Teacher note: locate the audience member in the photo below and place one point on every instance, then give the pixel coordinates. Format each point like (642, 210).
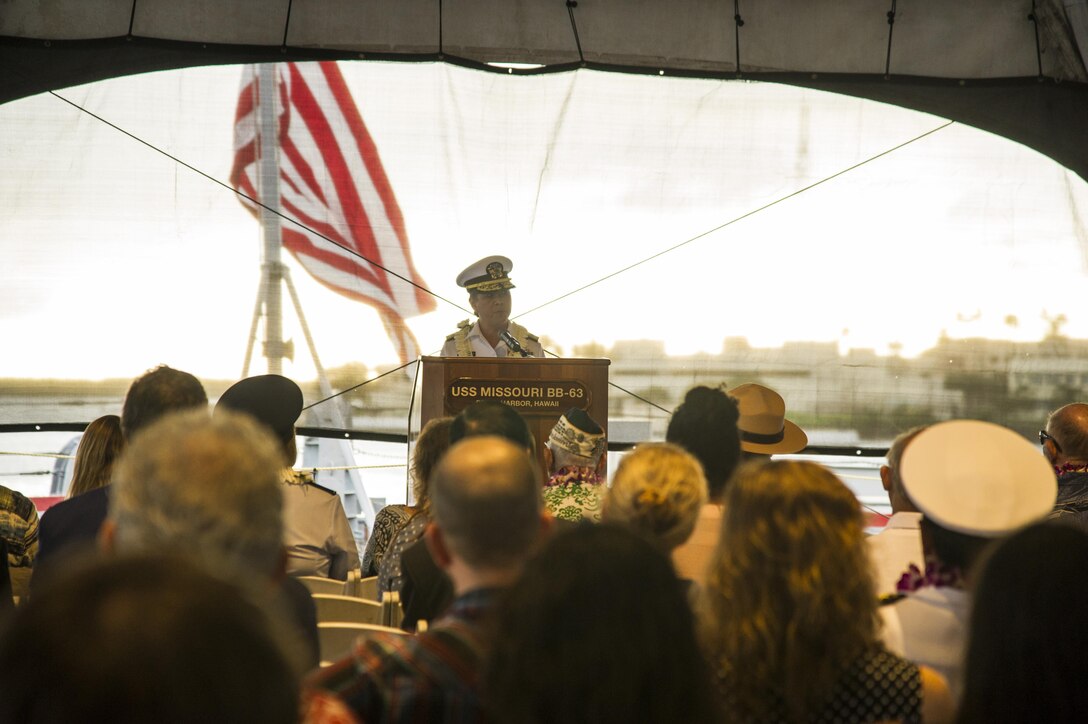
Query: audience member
(705, 424)
(316, 532)
(74, 523)
(19, 532)
(209, 488)
(764, 429)
(575, 458)
(142, 639)
(790, 615)
(485, 417)
(1065, 445)
(99, 447)
(658, 491)
(425, 590)
(486, 504)
(598, 630)
(431, 445)
(899, 544)
(1026, 649)
(974, 482)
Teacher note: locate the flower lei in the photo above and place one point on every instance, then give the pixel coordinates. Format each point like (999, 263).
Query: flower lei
(574, 475)
(936, 574)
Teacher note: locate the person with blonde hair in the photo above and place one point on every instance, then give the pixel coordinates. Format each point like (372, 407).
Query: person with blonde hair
(658, 490)
(99, 446)
(789, 610)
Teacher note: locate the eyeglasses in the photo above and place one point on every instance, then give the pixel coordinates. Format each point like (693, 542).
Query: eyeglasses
(1044, 436)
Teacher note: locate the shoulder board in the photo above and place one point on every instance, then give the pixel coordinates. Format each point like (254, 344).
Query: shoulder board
(464, 324)
(891, 598)
(532, 337)
(450, 336)
(321, 487)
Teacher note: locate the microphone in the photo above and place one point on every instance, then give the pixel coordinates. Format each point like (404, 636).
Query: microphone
(513, 343)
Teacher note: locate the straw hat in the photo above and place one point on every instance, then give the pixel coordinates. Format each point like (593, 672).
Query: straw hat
(977, 478)
(763, 426)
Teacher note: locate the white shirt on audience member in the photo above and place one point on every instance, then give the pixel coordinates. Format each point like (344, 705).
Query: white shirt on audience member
(929, 627)
(894, 548)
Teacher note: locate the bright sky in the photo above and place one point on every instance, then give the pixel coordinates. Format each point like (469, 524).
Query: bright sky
(117, 259)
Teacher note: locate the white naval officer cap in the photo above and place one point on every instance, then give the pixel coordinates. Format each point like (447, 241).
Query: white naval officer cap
(977, 478)
(489, 274)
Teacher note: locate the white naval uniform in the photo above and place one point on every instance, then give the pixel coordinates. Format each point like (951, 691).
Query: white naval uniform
(483, 348)
(929, 627)
(893, 549)
(316, 532)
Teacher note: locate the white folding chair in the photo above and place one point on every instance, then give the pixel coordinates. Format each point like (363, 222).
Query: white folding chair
(335, 638)
(351, 585)
(368, 588)
(320, 584)
(392, 613)
(347, 609)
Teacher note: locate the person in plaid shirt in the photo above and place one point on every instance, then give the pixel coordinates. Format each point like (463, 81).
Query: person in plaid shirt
(19, 529)
(487, 514)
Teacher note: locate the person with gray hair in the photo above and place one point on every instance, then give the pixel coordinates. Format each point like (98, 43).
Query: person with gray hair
(208, 488)
(899, 544)
(487, 516)
(206, 485)
(1065, 445)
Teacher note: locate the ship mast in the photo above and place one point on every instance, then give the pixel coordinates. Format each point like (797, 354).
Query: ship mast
(334, 455)
(272, 272)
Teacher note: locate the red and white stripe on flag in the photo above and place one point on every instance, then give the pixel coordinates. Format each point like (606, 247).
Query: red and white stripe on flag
(332, 182)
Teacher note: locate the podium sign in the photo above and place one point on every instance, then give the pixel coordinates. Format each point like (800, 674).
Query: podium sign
(538, 395)
(539, 389)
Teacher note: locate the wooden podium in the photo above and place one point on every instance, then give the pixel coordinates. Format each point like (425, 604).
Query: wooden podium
(540, 389)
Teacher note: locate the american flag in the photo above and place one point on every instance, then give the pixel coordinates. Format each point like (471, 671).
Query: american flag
(332, 182)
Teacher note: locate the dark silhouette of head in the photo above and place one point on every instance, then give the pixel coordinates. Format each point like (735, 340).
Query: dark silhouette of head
(274, 401)
(1028, 637)
(705, 424)
(598, 629)
(142, 639)
(488, 417)
(156, 393)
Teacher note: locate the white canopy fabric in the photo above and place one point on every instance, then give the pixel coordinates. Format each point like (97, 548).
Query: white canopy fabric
(1013, 67)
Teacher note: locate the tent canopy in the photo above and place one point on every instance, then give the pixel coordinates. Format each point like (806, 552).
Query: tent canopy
(1012, 67)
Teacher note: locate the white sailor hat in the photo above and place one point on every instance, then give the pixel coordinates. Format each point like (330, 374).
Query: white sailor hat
(489, 274)
(977, 478)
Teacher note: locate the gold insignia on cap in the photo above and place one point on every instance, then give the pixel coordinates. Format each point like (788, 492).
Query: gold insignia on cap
(495, 270)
